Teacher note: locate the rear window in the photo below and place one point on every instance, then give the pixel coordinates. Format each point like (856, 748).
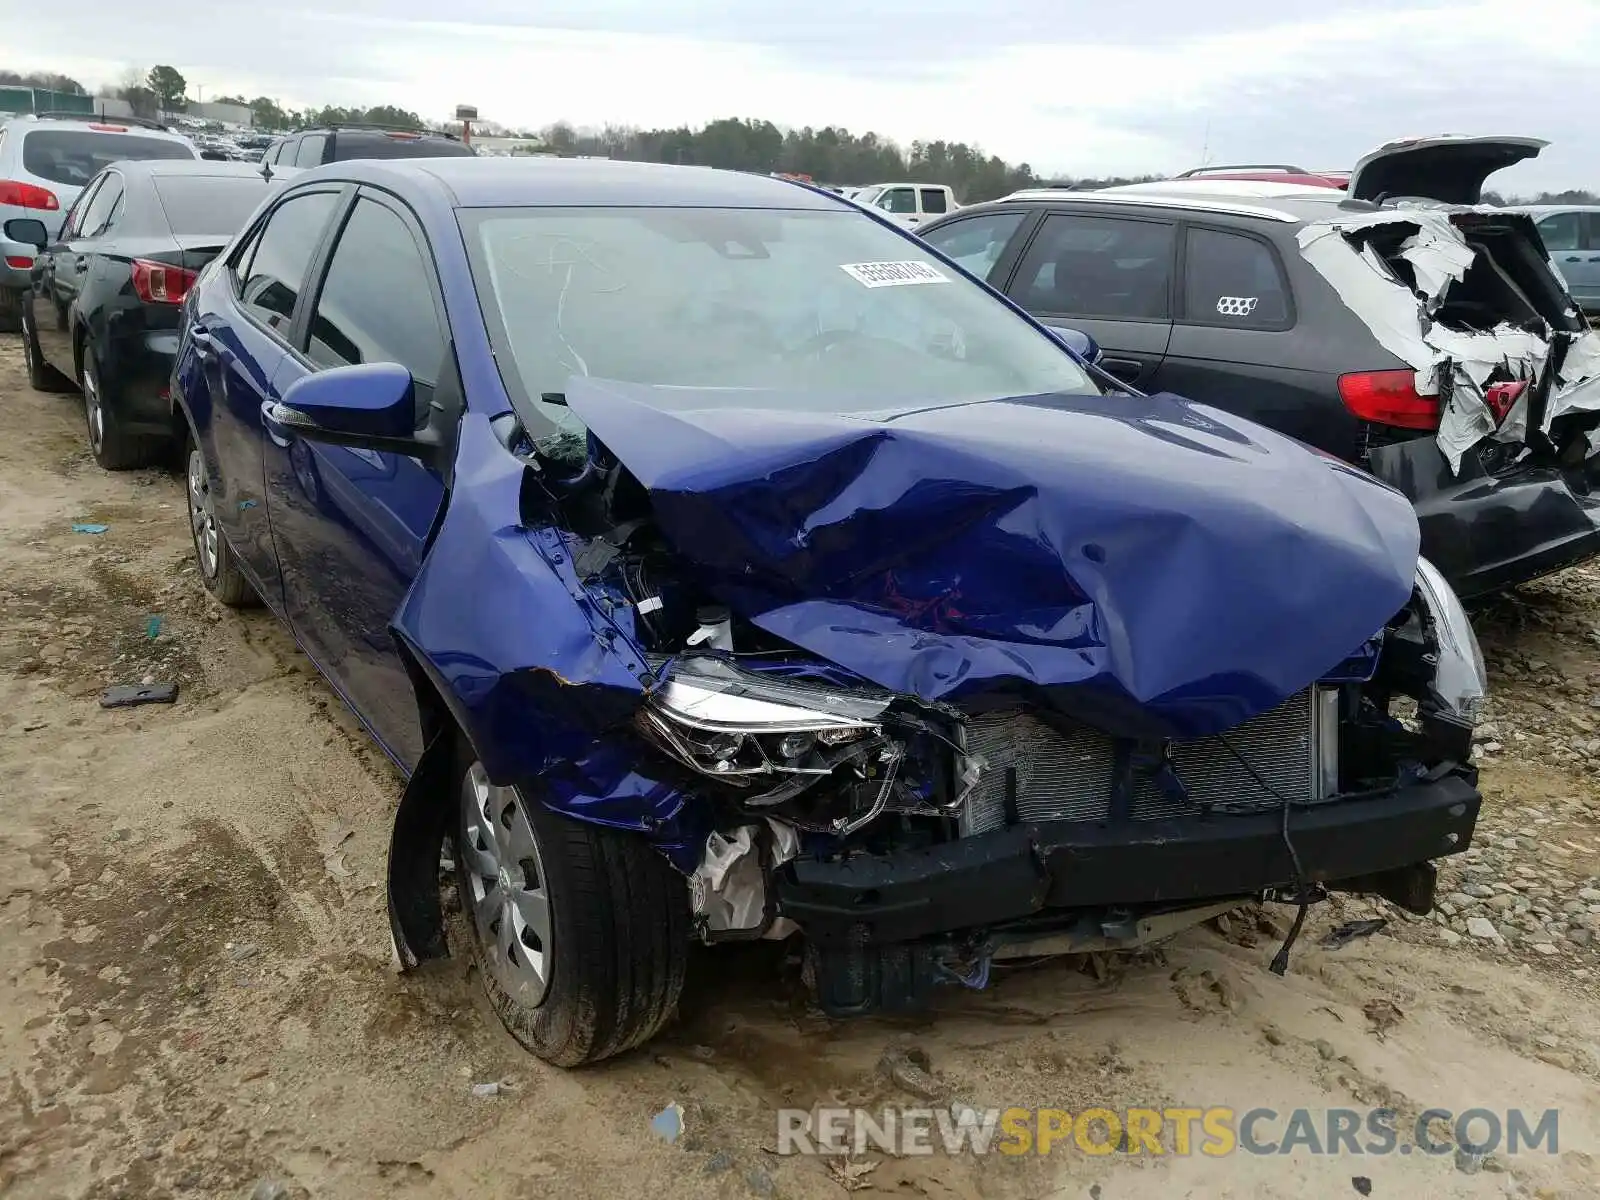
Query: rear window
(380, 145)
(199, 204)
(75, 156)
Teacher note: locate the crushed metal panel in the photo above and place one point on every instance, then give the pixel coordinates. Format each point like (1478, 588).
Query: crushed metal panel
(1453, 362)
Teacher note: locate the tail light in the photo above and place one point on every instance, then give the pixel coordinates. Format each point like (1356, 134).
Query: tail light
(1389, 398)
(18, 262)
(160, 283)
(26, 195)
(109, 128)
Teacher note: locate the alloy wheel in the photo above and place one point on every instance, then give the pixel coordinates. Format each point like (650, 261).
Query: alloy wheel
(506, 891)
(93, 413)
(202, 519)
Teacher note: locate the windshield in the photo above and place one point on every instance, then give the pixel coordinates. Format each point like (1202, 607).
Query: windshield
(826, 309)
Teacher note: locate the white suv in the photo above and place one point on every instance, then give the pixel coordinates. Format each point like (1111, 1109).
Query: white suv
(45, 161)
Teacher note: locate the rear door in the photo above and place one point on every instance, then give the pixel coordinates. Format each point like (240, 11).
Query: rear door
(239, 338)
(1234, 336)
(1109, 275)
(350, 525)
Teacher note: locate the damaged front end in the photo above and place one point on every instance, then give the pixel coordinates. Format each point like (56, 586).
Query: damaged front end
(937, 687)
(1505, 371)
(914, 844)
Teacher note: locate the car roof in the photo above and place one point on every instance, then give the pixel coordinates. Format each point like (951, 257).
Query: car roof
(1287, 203)
(580, 182)
(27, 122)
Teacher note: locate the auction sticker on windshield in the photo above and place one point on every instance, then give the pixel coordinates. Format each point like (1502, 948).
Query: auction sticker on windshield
(892, 274)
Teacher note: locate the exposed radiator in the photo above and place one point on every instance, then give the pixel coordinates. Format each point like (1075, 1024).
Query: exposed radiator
(1068, 776)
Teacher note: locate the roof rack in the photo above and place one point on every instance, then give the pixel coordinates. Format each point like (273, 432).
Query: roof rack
(56, 114)
(377, 126)
(1197, 171)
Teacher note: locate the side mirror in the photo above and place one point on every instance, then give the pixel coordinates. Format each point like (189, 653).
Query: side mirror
(29, 231)
(371, 405)
(1079, 342)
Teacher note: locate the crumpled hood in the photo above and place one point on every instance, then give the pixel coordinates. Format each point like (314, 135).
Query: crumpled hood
(1153, 567)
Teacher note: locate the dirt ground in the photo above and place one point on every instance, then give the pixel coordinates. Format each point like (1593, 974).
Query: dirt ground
(196, 997)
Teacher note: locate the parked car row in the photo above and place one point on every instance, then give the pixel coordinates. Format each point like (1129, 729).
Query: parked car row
(719, 560)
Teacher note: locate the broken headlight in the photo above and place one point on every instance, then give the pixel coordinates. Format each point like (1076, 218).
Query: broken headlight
(770, 735)
(1460, 681)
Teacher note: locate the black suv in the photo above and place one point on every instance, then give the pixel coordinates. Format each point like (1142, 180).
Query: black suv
(338, 143)
(1401, 327)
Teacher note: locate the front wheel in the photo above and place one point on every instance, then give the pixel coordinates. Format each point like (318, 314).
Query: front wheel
(581, 933)
(41, 375)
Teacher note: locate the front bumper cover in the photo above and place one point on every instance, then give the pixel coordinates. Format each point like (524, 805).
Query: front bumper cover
(1025, 871)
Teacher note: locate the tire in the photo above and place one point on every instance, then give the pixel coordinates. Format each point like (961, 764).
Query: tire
(611, 971)
(213, 557)
(41, 375)
(114, 448)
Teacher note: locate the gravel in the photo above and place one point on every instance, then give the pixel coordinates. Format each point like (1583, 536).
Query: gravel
(1529, 886)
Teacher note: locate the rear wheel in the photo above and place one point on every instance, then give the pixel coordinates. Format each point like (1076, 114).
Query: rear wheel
(581, 933)
(114, 447)
(212, 554)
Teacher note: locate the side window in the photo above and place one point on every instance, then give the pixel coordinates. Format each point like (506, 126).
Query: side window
(106, 204)
(934, 201)
(310, 152)
(1561, 231)
(80, 206)
(899, 200)
(976, 242)
(282, 253)
(376, 302)
(1091, 266)
(1234, 280)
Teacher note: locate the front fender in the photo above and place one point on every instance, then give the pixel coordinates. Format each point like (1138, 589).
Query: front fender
(541, 677)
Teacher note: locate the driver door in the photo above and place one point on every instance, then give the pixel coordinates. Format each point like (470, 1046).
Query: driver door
(351, 525)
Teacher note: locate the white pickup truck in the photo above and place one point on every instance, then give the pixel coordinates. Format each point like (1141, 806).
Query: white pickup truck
(906, 203)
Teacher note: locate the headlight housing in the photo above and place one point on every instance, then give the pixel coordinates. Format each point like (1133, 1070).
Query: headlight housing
(1460, 680)
(770, 736)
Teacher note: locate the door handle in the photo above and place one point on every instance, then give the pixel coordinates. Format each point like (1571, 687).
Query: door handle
(279, 435)
(205, 347)
(1126, 369)
(1573, 258)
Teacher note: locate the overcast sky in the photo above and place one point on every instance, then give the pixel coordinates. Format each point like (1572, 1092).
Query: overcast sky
(1072, 86)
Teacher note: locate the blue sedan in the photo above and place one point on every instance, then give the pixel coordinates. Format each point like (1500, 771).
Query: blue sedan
(720, 562)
